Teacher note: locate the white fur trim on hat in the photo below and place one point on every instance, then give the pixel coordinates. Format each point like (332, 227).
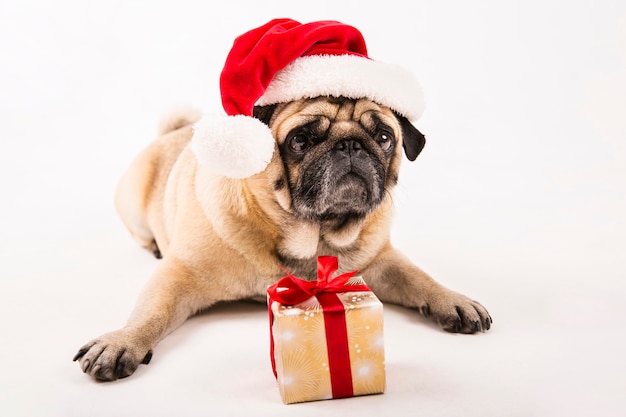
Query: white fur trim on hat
(232, 146)
(347, 76)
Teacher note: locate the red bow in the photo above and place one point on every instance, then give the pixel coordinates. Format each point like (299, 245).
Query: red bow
(291, 290)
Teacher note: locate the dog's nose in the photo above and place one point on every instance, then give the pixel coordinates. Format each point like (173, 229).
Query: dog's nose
(348, 146)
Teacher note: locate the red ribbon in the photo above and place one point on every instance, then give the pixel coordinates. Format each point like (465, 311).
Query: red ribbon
(291, 290)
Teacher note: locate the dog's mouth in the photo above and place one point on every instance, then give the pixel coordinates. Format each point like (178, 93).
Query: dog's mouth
(339, 193)
(350, 193)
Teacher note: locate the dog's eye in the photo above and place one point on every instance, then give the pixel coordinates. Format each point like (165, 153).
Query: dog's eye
(385, 140)
(299, 142)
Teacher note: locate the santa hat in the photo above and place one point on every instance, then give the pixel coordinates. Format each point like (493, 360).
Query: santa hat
(285, 60)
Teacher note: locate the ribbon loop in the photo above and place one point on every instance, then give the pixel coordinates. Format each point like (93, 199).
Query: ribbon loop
(326, 266)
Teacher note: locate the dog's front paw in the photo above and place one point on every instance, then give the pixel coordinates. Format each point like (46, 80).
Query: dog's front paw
(111, 356)
(456, 313)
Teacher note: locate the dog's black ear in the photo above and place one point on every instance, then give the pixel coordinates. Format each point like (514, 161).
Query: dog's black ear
(413, 140)
(264, 113)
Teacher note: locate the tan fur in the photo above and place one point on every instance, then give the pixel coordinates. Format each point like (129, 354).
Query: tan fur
(220, 239)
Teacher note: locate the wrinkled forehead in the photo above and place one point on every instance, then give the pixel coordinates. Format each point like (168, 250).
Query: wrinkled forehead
(321, 112)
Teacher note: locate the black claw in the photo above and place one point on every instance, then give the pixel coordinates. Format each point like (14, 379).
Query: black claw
(459, 324)
(146, 360)
(97, 370)
(425, 310)
(156, 251)
(453, 326)
(80, 353)
(478, 326)
(86, 365)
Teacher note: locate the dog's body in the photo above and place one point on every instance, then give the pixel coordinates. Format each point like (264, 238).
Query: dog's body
(325, 192)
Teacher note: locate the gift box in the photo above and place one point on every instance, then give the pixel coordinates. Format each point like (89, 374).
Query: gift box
(326, 336)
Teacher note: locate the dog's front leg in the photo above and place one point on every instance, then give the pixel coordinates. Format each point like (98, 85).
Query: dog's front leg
(395, 279)
(172, 295)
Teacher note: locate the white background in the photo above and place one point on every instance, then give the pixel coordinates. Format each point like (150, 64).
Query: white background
(518, 200)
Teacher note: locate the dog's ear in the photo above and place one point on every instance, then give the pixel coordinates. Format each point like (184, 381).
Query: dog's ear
(413, 140)
(264, 113)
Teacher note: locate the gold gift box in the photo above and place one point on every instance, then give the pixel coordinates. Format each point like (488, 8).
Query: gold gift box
(301, 347)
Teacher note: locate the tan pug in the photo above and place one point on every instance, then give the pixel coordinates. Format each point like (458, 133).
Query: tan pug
(325, 192)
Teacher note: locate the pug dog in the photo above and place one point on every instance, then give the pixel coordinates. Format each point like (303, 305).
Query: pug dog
(327, 190)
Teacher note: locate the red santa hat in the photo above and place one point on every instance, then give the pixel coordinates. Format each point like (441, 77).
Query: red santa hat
(285, 60)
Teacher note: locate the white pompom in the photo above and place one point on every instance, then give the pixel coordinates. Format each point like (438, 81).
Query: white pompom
(232, 146)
